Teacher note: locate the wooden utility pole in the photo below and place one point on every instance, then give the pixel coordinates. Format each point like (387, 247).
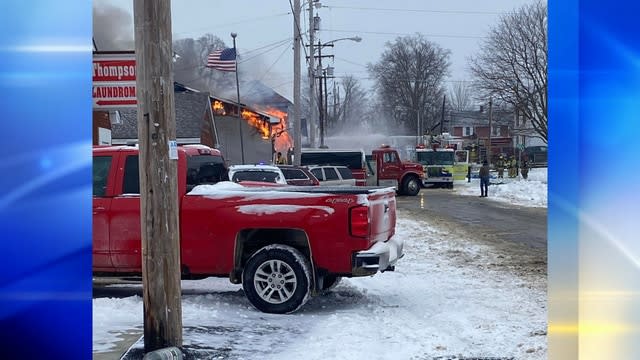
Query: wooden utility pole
(444, 100)
(297, 128)
(158, 175)
(320, 95)
(312, 79)
(490, 130)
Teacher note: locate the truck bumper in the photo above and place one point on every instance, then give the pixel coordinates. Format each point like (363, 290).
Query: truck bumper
(382, 256)
(437, 180)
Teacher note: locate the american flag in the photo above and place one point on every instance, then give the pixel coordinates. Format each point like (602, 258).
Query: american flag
(223, 60)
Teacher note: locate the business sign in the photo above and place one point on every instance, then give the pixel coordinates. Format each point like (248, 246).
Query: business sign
(114, 80)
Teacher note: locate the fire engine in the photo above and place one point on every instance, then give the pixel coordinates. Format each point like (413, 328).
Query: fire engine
(442, 165)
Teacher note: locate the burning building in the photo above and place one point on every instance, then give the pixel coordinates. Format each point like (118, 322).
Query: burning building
(253, 127)
(267, 101)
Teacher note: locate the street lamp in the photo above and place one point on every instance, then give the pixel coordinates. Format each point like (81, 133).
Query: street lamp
(320, 78)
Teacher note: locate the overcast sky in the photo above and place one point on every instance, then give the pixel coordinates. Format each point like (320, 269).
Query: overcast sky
(457, 25)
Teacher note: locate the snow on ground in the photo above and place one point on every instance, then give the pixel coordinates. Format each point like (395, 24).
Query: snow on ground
(518, 191)
(438, 302)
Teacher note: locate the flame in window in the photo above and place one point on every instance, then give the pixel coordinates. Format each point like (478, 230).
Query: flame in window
(218, 108)
(258, 123)
(283, 140)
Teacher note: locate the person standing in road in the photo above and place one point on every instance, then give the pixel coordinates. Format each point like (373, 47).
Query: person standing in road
(484, 179)
(525, 169)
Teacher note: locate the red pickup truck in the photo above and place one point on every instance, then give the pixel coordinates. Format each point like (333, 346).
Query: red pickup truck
(283, 243)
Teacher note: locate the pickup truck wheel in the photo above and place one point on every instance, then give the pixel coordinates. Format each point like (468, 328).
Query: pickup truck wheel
(276, 279)
(411, 186)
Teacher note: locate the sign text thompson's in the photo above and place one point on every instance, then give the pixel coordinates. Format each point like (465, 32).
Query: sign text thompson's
(114, 80)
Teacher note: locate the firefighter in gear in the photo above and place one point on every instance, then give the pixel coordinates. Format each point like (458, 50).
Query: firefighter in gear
(500, 166)
(513, 167)
(524, 170)
(280, 160)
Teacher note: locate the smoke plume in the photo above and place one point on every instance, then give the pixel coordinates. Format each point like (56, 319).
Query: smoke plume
(112, 28)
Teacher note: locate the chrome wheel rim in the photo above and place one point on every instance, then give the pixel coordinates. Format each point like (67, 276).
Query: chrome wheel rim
(412, 186)
(275, 281)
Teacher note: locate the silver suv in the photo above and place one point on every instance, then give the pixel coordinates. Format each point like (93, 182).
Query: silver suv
(330, 175)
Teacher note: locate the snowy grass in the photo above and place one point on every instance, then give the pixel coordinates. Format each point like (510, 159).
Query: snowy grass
(531, 192)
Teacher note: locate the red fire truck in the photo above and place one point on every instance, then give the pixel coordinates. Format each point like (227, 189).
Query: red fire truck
(382, 168)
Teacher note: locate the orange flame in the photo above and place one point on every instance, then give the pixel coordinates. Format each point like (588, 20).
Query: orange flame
(218, 108)
(283, 140)
(254, 120)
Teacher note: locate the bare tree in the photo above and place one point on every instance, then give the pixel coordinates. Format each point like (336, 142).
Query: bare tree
(460, 96)
(352, 106)
(512, 65)
(409, 80)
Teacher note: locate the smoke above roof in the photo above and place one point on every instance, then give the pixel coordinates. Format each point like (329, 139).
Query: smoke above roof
(112, 28)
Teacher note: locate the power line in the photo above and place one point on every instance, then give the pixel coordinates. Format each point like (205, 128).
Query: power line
(269, 69)
(345, 75)
(456, 12)
(405, 34)
(266, 51)
(235, 22)
(268, 45)
(349, 61)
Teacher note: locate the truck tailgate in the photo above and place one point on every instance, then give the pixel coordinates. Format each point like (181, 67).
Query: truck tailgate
(382, 213)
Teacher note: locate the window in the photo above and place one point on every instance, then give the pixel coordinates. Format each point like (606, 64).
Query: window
(495, 131)
(436, 157)
(204, 169)
(331, 174)
(345, 173)
(131, 183)
(390, 157)
(318, 174)
(462, 156)
(101, 166)
(263, 176)
(294, 174)
(468, 131)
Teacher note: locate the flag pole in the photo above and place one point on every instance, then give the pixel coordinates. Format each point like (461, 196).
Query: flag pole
(233, 35)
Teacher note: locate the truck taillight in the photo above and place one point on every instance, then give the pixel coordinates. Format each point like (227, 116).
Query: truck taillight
(359, 221)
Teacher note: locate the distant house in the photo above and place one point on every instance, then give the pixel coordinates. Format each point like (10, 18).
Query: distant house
(473, 128)
(525, 135)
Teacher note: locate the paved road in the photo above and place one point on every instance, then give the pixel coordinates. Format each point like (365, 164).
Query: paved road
(516, 224)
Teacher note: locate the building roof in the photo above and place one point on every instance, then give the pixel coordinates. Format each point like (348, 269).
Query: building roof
(259, 94)
(191, 108)
(476, 118)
